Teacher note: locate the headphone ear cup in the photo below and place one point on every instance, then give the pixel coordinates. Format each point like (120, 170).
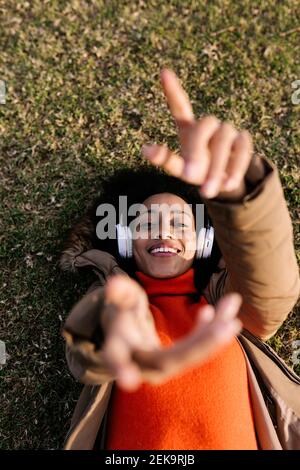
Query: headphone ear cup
(129, 242)
(205, 242)
(208, 242)
(121, 238)
(200, 243)
(124, 237)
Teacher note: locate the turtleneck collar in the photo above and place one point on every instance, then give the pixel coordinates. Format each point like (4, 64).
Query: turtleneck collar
(179, 285)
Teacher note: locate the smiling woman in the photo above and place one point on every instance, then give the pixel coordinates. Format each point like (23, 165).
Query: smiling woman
(154, 189)
(166, 277)
(163, 332)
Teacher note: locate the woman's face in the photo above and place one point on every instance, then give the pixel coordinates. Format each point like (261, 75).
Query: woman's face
(166, 242)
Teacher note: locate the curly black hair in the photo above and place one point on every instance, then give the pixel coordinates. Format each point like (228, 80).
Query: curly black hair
(138, 184)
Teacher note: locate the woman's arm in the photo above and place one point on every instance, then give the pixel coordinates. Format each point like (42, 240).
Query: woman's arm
(255, 236)
(84, 338)
(251, 219)
(131, 351)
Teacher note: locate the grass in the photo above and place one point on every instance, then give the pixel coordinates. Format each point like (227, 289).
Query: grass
(83, 95)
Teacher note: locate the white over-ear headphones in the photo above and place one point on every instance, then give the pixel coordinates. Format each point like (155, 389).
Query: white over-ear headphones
(124, 237)
(204, 242)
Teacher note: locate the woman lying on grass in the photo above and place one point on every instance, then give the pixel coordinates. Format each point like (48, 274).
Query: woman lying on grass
(155, 338)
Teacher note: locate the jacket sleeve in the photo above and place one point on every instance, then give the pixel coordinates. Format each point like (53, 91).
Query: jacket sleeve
(256, 240)
(84, 338)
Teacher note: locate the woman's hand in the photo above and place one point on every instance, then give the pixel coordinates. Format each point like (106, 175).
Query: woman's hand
(132, 349)
(214, 155)
(128, 326)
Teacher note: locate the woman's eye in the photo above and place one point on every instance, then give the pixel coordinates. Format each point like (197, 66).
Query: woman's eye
(147, 225)
(153, 225)
(180, 224)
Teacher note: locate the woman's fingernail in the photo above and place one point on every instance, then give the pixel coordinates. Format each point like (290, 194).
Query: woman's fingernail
(188, 170)
(128, 378)
(224, 331)
(231, 183)
(191, 170)
(148, 150)
(205, 315)
(209, 189)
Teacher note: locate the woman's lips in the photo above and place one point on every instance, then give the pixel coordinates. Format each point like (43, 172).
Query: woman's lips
(163, 253)
(164, 249)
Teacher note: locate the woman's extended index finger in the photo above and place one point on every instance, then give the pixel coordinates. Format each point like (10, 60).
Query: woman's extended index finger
(177, 99)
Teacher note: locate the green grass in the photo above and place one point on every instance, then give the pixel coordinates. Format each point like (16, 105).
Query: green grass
(83, 95)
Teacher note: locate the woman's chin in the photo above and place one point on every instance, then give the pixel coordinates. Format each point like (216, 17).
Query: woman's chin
(162, 267)
(163, 271)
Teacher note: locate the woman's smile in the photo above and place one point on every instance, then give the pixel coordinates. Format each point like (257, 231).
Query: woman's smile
(164, 250)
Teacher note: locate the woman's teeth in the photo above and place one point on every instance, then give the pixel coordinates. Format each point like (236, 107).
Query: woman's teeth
(163, 250)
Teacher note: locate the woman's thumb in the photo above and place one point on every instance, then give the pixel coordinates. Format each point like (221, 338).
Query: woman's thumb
(205, 315)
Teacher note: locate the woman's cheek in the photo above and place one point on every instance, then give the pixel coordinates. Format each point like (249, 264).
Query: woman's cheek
(137, 250)
(190, 245)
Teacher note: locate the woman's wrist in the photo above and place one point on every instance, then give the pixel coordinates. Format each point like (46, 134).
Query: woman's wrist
(236, 195)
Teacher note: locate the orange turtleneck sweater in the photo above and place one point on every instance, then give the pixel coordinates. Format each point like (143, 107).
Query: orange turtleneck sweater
(206, 407)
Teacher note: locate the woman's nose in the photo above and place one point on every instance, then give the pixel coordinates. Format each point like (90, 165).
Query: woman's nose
(163, 235)
(164, 231)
